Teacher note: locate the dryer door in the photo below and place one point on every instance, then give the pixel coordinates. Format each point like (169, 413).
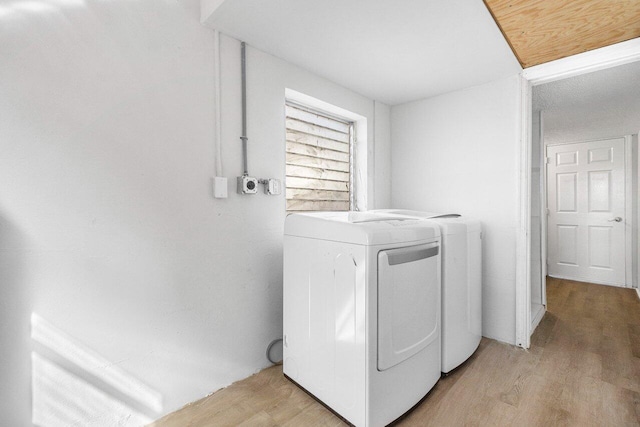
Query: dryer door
(408, 302)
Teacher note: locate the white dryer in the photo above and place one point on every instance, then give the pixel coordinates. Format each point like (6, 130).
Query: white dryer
(461, 284)
(362, 311)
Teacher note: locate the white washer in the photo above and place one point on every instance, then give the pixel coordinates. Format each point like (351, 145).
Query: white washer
(461, 284)
(362, 311)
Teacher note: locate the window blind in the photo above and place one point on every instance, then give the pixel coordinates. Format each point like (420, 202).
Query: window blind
(318, 161)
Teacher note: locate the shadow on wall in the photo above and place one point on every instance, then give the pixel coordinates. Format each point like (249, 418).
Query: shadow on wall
(73, 385)
(46, 377)
(15, 300)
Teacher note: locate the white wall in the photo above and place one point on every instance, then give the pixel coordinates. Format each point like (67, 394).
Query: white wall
(108, 228)
(459, 153)
(382, 156)
(597, 105)
(536, 203)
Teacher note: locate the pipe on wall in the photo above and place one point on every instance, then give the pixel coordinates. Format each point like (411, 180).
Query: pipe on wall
(217, 104)
(244, 109)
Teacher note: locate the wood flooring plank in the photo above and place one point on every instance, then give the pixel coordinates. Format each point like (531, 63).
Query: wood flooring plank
(543, 332)
(621, 407)
(587, 364)
(316, 415)
(584, 399)
(261, 419)
(492, 413)
(543, 406)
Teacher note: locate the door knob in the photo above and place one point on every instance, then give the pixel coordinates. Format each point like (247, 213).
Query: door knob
(616, 219)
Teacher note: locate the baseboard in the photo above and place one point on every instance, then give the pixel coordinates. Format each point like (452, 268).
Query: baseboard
(638, 292)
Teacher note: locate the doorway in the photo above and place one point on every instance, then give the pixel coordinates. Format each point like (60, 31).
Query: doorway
(581, 238)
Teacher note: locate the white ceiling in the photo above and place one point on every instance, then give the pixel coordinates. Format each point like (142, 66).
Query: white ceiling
(601, 104)
(394, 51)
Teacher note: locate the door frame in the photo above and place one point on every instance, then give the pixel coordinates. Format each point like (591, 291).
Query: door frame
(628, 202)
(543, 214)
(598, 59)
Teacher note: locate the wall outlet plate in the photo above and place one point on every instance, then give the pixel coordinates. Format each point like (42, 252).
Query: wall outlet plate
(220, 187)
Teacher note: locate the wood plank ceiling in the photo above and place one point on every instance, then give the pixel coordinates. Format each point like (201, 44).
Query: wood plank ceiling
(540, 31)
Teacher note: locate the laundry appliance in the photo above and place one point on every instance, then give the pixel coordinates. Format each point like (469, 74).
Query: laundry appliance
(461, 283)
(362, 311)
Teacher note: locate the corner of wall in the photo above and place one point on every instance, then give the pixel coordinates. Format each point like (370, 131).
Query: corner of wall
(382, 156)
(208, 9)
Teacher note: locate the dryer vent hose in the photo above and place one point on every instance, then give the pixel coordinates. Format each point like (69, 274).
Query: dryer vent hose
(271, 351)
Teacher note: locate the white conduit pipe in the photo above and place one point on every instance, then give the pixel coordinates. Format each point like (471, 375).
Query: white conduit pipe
(243, 56)
(217, 103)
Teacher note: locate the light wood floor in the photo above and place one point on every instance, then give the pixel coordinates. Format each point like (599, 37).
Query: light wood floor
(583, 369)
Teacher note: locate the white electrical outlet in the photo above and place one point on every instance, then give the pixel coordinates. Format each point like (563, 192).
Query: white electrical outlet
(220, 187)
(247, 185)
(273, 187)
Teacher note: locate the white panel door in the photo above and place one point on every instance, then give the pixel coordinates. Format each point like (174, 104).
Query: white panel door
(586, 224)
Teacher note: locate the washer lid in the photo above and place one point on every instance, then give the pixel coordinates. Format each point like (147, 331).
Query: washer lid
(362, 228)
(450, 223)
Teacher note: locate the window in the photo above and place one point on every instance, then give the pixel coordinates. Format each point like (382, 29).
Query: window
(318, 161)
